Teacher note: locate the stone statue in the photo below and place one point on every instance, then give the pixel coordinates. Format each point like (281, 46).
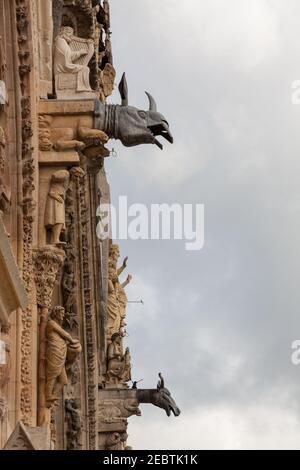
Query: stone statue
(69, 294)
(123, 300)
(61, 347)
(127, 367)
(117, 299)
(113, 309)
(116, 441)
(71, 75)
(130, 125)
(55, 217)
(74, 424)
(118, 367)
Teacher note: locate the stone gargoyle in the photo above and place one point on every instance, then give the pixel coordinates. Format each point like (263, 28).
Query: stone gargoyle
(160, 397)
(131, 125)
(94, 123)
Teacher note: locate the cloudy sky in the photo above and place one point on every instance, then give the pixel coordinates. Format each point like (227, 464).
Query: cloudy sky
(218, 323)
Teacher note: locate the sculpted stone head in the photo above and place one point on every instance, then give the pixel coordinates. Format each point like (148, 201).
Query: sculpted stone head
(136, 126)
(58, 314)
(67, 33)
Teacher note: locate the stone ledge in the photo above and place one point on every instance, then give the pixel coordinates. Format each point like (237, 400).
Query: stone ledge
(64, 107)
(59, 158)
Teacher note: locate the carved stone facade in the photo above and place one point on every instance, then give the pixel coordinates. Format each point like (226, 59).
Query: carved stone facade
(65, 377)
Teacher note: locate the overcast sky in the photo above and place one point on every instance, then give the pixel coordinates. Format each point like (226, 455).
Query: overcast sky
(218, 323)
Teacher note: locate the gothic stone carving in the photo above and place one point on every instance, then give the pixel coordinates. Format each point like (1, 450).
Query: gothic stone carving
(48, 263)
(131, 125)
(28, 438)
(55, 207)
(118, 410)
(160, 397)
(71, 58)
(118, 364)
(4, 175)
(3, 409)
(45, 142)
(107, 78)
(23, 27)
(54, 135)
(116, 441)
(117, 299)
(61, 349)
(81, 181)
(74, 424)
(2, 150)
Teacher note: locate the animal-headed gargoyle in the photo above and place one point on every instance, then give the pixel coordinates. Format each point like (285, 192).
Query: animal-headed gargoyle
(160, 397)
(92, 130)
(133, 126)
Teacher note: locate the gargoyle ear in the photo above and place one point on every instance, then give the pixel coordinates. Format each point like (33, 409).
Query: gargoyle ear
(123, 89)
(152, 102)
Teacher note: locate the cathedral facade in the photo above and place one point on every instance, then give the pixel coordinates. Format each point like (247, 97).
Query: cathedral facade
(65, 374)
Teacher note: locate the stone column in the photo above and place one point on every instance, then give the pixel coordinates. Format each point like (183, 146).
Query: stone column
(45, 29)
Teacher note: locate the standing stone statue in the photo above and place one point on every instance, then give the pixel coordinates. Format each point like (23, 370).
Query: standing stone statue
(55, 217)
(59, 345)
(117, 299)
(122, 297)
(69, 74)
(113, 309)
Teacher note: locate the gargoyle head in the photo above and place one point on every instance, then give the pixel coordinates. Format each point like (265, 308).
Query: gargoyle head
(136, 127)
(163, 399)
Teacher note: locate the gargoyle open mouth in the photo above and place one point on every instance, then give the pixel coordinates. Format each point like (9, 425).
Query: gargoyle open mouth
(176, 411)
(163, 130)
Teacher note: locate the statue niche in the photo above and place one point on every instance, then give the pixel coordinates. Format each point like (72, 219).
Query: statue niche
(71, 58)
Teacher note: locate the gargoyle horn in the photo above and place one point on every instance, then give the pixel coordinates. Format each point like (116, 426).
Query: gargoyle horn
(152, 102)
(123, 89)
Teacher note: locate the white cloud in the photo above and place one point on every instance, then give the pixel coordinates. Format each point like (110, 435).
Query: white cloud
(240, 32)
(257, 426)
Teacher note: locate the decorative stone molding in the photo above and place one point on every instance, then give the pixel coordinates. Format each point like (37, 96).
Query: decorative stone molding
(88, 309)
(74, 424)
(28, 438)
(48, 262)
(23, 9)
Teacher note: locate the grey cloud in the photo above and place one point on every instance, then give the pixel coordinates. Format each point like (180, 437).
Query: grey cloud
(223, 319)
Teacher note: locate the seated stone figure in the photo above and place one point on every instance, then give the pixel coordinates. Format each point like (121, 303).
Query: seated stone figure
(71, 58)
